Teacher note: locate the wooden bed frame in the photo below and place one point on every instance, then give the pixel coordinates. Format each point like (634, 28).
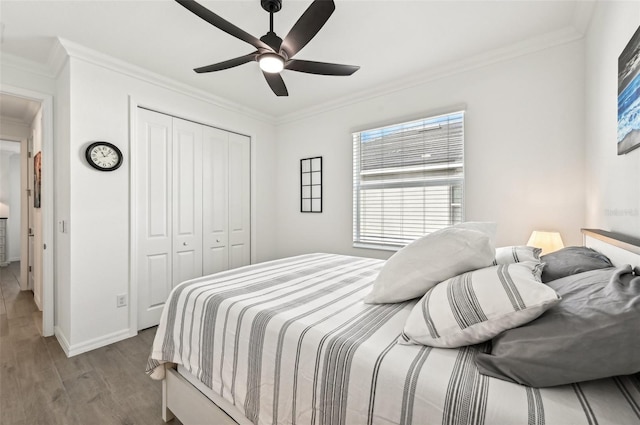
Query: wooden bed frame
(620, 249)
(183, 400)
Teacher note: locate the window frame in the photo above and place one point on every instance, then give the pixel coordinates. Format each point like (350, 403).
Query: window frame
(357, 241)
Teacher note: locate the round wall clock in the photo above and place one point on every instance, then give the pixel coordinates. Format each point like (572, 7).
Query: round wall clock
(103, 156)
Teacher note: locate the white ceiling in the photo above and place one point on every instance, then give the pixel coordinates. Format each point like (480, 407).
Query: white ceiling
(393, 41)
(18, 109)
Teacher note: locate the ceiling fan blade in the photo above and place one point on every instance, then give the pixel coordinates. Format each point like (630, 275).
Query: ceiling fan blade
(276, 83)
(307, 26)
(222, 24)
(320, 68)
(227, 64)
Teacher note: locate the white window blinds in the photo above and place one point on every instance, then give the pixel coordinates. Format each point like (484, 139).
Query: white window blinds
(408, 180)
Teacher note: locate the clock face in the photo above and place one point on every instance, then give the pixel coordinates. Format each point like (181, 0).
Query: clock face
(104, 156)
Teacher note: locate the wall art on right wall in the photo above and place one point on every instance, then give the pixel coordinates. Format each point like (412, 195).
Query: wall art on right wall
(629, 96)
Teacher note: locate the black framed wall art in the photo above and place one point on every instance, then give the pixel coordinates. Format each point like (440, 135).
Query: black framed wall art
(311, 185)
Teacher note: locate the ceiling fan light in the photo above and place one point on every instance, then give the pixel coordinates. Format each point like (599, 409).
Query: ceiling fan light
(271, 62)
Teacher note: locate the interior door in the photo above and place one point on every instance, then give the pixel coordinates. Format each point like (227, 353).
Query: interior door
(239, 200)
(215, 200)
(187, 200)
(154, 151)
(30, 218)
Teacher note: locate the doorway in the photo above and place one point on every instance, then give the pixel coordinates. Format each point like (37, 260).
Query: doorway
(27, 119)
(10, 203)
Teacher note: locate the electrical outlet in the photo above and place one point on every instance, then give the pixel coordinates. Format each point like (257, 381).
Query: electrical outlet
(121, 300)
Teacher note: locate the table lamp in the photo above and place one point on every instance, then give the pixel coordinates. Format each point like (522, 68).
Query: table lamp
(547, 241)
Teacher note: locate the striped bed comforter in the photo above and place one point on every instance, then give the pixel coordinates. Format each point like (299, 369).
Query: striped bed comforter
(291, 342)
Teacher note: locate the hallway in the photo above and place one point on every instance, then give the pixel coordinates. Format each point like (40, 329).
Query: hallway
(15, 303)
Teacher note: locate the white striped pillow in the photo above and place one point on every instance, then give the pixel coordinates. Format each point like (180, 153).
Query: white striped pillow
(476, 306)
(516, 254)
(429, 260)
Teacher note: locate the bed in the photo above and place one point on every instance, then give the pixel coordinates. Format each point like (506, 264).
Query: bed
(291, 342)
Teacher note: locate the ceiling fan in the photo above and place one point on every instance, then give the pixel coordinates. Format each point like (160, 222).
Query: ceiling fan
(273, 53)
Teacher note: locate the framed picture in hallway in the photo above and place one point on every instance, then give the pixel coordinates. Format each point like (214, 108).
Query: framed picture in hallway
(37, 179)
(629, 96)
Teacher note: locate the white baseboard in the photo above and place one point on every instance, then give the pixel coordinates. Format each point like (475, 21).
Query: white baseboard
(92, 344)
(38, 301)
(62, 339)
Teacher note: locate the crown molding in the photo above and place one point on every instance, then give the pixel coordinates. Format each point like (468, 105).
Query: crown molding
(94, 57)
(532, 45)
(58, 57)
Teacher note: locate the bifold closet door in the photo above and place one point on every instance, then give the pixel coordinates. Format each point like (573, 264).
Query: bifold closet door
(215, 200)
(154, 211)
(168, 210)
(192, 211)
(226, 172)
(187, 200)
(239, 200)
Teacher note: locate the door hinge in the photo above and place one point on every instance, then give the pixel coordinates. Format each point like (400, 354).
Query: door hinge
(29, 154)
(30, 231)
(29, 268)
(28, 192)
(44, 246)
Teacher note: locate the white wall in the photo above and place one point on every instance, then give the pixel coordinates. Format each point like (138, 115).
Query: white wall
(523, 145)
(10, 195)
(13, 224)
(5, 176)
(99, 208)
(62, 184)
(612, 181)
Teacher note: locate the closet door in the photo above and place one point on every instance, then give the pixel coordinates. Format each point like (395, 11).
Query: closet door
(239, 200)
(192, 207)
(187, 200)
(215, 199)
(154, 151)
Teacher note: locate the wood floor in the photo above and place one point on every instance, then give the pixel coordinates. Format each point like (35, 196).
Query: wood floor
(40, 385)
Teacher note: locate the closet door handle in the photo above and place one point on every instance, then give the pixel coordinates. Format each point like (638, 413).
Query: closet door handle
(184, 243)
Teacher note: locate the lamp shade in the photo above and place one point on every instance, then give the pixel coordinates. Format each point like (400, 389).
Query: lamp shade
(547, 241)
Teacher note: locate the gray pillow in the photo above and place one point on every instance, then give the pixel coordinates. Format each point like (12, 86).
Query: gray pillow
(572, 260)
(591, 333)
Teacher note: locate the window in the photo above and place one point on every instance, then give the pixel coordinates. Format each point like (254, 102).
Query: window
(408, 180)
